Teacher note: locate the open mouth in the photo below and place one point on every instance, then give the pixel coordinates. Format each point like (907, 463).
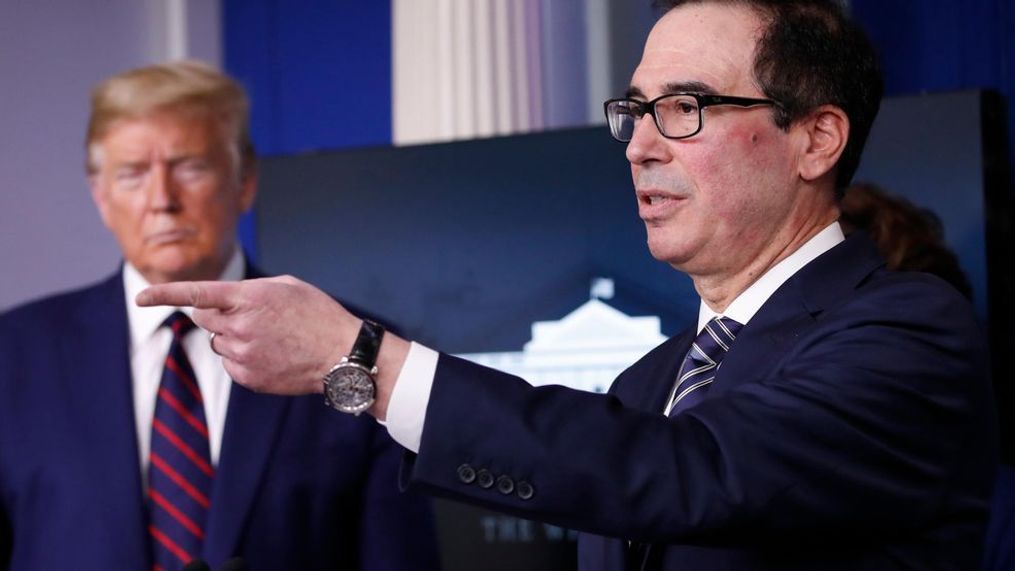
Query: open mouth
(658, 205)
(656, 199)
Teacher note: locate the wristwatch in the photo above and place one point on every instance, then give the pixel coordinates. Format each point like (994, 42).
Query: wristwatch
(350, 386)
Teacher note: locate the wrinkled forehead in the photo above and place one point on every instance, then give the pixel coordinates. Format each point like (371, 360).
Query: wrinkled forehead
(706, 44)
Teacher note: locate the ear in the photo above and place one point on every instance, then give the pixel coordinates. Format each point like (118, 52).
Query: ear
(826, 133)
(248, 188)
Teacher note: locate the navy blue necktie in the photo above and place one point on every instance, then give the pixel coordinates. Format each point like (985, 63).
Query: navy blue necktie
(701, 362)
(180, 472)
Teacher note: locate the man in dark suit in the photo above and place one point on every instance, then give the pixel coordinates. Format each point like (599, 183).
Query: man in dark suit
(104, 462)
(824, 413)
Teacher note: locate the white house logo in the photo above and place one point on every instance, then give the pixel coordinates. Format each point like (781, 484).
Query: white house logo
(585, 350)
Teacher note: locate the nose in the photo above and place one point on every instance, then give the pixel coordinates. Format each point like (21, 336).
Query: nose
(647, 143)
(162, 192)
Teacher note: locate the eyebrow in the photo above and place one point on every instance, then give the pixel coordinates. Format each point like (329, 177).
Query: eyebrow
(675, 87)
(633, 92)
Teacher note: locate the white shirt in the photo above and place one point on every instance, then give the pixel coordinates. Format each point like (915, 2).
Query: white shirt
(149, 344)
(409, 398)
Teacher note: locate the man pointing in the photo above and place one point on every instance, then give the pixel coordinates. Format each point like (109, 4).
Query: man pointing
(823, 413)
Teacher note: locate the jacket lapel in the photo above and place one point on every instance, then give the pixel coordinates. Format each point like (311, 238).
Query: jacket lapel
(667, 367)
(252, 423)
(97, 384)
(794, 308)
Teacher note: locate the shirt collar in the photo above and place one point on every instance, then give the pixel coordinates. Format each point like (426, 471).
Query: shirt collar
(745, 305)
(144, 321)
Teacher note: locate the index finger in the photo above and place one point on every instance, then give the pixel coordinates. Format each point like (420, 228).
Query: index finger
(202, 295)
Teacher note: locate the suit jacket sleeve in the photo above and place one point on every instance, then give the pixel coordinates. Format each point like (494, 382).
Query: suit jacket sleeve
(6, 534)
(869, 418)
(6, 538)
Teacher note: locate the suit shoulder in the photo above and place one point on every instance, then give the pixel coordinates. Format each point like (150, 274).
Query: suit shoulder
(52, 310)
(908, 325)
(910, 296)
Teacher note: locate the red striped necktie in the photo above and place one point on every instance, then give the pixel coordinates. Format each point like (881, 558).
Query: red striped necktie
(180, 472)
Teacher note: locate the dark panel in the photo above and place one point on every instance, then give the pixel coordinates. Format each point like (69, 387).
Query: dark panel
(935, 159)
(466, 244)
(1000, 206)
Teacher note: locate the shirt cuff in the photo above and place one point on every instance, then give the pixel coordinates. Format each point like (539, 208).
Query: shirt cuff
(409, 398)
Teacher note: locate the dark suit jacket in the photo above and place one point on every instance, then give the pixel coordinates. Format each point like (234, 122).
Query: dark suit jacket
(849, 427)
(298, 485)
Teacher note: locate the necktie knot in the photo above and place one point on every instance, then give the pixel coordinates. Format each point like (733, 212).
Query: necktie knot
(701, 362)
(179, 323)
(711, 345)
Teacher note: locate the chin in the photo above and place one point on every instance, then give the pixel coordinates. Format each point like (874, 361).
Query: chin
(673, 255)
(663, 249)
(176, 268)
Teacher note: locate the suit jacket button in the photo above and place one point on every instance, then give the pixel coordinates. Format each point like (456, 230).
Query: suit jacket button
(505, 485)
(484, 478)
(525, 490)
(466, 474)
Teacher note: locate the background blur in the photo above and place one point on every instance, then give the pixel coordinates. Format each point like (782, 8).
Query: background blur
(332, 74)
(344, 93)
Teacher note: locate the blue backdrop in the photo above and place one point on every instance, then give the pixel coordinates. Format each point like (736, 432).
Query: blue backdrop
(319, 71)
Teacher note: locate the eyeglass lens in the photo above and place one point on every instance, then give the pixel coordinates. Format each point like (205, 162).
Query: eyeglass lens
(676, 116)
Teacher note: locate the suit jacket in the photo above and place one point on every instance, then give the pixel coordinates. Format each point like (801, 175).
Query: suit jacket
(298, 485)
(849, 427)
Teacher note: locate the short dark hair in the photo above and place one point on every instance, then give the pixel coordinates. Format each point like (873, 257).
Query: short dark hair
(812, 54)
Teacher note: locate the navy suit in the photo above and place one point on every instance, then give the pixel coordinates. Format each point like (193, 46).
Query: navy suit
(849, 427)
(298, 485)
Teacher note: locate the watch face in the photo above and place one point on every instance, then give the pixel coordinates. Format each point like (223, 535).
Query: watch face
(349, 388)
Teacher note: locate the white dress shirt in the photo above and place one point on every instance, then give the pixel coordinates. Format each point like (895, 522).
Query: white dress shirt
(149, 344)
(409, 398)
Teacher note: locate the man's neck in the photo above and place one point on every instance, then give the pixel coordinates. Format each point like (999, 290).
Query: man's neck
(719, 289)
(144, 320)
(211, 271)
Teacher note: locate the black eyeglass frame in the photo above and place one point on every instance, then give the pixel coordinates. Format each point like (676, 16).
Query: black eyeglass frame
(703, 100)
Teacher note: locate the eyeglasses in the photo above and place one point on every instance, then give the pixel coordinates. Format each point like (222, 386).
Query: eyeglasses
(677, 115)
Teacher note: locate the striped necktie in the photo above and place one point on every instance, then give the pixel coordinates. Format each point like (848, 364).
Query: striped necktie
(703, 359)
(180, 472)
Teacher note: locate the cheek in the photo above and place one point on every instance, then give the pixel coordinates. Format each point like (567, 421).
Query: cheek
(126, 214)
(214, 212)
(764, 149)
(747, 174)
(748, 140)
